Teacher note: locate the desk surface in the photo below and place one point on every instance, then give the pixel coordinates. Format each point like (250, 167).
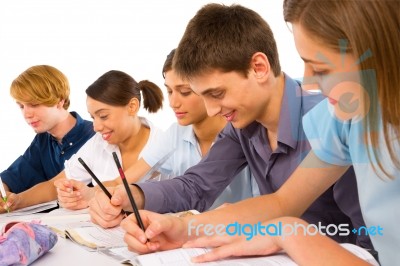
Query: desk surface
(65, 252)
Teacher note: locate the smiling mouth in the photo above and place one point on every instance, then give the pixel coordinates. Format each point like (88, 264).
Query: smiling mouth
(230, 116)
(106, 136)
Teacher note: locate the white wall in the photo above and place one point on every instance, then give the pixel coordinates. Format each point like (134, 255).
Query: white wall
(86, 38)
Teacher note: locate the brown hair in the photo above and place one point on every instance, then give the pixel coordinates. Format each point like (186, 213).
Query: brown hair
(224, 38)
(168, 62)
(371, 28)
(117, 88)
(41, 84)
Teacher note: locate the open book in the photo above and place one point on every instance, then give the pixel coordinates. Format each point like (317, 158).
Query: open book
(94, 237)
(91, 236)
(182, 257)
(32, 209)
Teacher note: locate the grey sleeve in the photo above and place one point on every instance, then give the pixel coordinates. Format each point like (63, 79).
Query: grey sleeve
(202, 183)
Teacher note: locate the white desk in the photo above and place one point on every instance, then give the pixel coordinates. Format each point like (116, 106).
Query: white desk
(65, 252)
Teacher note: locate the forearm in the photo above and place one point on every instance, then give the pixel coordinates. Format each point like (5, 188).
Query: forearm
(289, 200)
(308, 249)
(40, 193)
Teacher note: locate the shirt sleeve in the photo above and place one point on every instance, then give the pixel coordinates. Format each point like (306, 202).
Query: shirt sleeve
(26, 171)
(202, 183)
(328, 136)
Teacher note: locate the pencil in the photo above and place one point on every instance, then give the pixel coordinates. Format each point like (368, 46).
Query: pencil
(95, 177)
(128, 191)
(4, 194)
(97, 180)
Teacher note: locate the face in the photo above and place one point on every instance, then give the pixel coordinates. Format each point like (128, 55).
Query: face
(188, 107)
(231, 95)
(333, 73)
(112, 122)
(40, 117)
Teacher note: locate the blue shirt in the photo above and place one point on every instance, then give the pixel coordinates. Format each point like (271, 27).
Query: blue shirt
(237, 148)
(344, 143)
(45, 157)
(187, 153)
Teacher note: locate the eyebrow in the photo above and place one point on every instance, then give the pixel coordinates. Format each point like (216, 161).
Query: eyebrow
(100, 110)
(210, 90)
(322, 57)
(185, 86)
(311, 61)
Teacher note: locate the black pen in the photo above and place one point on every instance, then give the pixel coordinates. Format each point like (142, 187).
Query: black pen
(128, 191)
(96, 179)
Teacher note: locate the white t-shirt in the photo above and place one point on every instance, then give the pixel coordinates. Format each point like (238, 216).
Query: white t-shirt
(97, 154)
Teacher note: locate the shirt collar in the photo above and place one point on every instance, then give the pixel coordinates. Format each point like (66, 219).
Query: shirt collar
(75, 132)
(188, 135)
(289, 118)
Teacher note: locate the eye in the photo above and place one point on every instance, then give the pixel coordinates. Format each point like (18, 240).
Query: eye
(169, 92)
(217, 94)
(186, 93)
(103, 117)
(319, 73)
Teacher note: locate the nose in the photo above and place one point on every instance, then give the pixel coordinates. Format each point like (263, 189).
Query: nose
(311, 82)
(174, 101)
(27, 112)
(212, 107)
(97, 125)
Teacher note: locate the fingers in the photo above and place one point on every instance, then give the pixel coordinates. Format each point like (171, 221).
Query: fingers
(12, 202)
(67, 197)
(215, 254)
(103, 212)
(155, 236)
(134, 237)
(209, 241)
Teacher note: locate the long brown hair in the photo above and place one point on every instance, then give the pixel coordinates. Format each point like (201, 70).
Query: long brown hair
(371, 28)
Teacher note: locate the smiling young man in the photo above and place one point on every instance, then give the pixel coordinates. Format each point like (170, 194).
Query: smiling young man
(229, 55)
(42, 94)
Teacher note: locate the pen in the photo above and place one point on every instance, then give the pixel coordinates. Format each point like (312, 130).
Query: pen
(3, 194)
(97, 180)
(128, 191)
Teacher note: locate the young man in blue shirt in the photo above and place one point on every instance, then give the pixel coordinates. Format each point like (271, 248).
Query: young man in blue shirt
(42, 94)
(230, 57)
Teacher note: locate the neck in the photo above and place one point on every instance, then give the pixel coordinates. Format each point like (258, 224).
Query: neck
(207, 130)
(137, 138)
(66, 123)
(270, 118)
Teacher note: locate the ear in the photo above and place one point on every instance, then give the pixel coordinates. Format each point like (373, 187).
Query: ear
(133, 106)
(60, 104)
(260, 66)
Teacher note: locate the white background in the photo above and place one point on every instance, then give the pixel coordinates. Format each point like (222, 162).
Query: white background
(86, 38)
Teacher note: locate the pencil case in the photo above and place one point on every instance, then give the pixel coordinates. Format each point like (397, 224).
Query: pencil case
(21, 243)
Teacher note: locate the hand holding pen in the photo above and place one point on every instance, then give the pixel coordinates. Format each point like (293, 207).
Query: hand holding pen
(4, 195)
(128, 191)
(98, 182)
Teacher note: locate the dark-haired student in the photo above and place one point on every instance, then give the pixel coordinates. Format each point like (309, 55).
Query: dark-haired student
(113, 101)
(241, 81)
(189, 139)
